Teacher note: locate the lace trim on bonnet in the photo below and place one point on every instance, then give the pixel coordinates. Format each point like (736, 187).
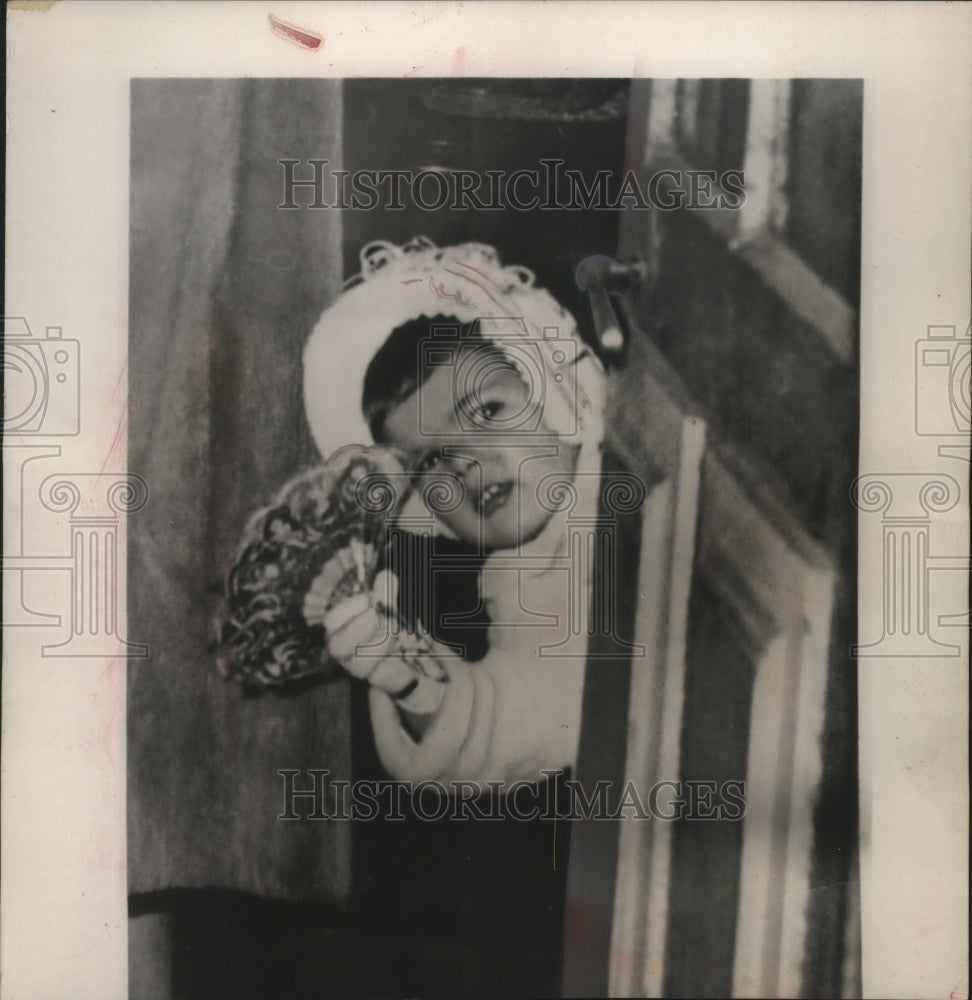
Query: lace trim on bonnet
(421, 254)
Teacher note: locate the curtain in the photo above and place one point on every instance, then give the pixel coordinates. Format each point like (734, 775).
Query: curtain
(224, 288)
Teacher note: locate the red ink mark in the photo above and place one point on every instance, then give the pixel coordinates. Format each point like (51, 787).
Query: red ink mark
(459, 61)
(307, 39)
(439, 289)
(118, 382)
(119, 430)
(493, 292)
(108, 674)
(122, 420)
(475, 270)
(106, 732)
(578, 927)
(414, 69)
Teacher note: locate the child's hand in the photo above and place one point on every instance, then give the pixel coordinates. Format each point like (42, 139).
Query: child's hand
(354, 623)
(360, 640)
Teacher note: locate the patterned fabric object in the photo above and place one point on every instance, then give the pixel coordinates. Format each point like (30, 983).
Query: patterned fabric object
(322, 541)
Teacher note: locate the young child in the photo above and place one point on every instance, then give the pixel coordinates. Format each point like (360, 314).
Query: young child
(481, 379)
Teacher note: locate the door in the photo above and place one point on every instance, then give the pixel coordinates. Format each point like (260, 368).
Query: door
(736, 389)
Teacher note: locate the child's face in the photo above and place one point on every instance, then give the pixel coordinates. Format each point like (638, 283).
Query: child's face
(464, 438)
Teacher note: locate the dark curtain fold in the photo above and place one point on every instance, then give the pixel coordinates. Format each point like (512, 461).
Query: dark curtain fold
(224, 289)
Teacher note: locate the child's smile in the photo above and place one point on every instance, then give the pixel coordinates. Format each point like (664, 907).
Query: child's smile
(473, 450)
(494, 496)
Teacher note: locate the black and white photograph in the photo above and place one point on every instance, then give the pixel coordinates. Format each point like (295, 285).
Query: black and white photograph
(488, 501)
(499, 579)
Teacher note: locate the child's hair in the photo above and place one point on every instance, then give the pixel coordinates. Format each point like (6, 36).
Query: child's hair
(400, 366)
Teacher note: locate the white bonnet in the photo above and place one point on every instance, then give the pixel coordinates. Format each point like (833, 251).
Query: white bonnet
(466, 282)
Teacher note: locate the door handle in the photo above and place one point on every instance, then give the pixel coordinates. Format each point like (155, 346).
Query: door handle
(601, 277)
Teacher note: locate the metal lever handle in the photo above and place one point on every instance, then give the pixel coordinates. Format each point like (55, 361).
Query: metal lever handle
(600, 276)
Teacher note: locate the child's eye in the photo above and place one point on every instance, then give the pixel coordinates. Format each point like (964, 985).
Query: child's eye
(488, 410)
